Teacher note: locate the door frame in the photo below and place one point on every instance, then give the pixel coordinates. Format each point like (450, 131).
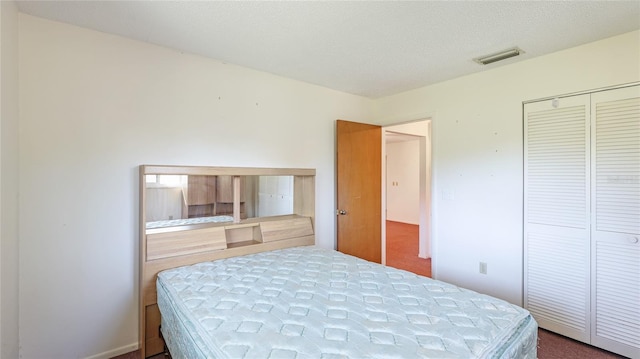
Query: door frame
(426, 194)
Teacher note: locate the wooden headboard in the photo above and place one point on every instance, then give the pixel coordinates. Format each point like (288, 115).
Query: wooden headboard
(170, 247)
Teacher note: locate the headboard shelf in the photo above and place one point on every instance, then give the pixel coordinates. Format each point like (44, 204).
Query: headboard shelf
(242, 244)
(185, 242)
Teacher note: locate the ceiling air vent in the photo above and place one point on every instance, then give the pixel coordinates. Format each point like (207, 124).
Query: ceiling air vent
(498, 56)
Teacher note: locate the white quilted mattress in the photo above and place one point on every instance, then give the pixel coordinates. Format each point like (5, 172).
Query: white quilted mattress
(188, 221)
(308, 302)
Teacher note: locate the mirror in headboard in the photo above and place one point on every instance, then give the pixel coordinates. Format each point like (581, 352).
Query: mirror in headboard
(184, 196)
(179, 199)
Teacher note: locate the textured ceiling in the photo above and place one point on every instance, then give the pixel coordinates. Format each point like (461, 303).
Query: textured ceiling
(372, 49)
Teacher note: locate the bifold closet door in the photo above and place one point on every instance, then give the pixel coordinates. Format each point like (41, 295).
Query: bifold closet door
(615, 220)
(556, 215)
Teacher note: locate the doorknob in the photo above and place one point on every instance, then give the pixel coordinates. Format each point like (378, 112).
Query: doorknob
(341, 212)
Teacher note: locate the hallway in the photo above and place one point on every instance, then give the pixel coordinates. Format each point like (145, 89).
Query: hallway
(402, 249)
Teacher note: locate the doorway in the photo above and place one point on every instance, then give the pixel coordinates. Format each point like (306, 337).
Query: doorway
(406, 196)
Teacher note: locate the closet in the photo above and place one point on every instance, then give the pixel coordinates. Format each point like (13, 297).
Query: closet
(582, 217)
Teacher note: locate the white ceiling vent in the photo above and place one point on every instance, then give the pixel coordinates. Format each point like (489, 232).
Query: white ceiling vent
(498, 56)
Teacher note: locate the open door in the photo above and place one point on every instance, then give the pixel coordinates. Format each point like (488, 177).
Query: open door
(359, 189)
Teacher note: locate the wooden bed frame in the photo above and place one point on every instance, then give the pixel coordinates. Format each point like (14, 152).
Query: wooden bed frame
(171, 247)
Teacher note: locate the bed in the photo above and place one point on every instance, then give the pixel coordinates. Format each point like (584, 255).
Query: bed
(309, 302)
(260, 288)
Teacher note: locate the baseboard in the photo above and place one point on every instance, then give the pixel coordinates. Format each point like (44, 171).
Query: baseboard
(115, 352)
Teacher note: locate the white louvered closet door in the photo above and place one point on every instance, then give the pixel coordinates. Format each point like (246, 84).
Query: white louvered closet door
(556, 215)
(615, 220)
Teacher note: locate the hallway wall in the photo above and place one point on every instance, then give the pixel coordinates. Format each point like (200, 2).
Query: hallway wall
(403, 186)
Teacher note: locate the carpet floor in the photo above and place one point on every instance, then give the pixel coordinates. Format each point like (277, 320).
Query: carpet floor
(556, 346)
(402, 249)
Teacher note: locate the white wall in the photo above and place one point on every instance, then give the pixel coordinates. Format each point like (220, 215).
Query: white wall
(477, 153)
(8, 180)
(94, 107)
(403, 181)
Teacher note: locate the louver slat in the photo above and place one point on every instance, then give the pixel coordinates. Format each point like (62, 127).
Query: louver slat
(617, 171)
(556, 216)
(556, 146)
(615, 221)
(618, 293)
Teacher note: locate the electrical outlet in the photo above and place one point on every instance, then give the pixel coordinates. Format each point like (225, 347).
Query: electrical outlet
(483, 268)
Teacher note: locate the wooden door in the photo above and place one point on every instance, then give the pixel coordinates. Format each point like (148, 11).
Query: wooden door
(359, 189)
